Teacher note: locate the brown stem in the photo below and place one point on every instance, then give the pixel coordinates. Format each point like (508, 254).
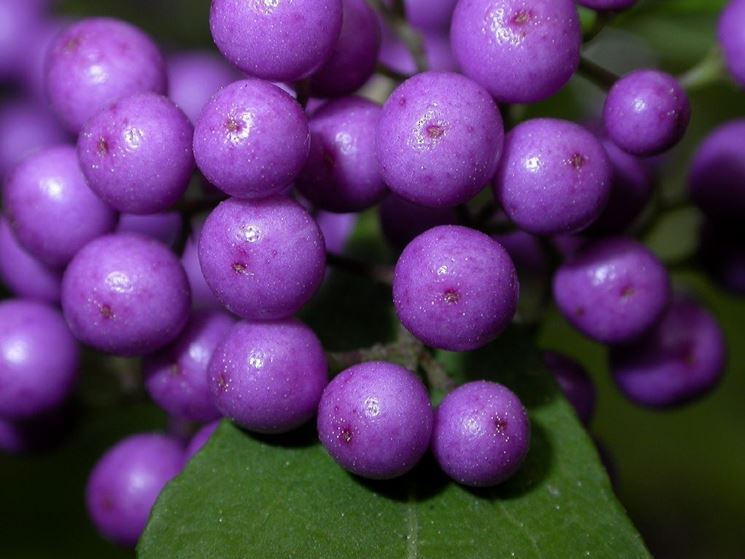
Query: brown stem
(437, 376)
(390, 73)
(602, 77)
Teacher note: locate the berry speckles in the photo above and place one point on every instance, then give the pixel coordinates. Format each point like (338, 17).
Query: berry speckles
(345, 435)
(522, 18)
(106, 312)
(102, 147)
(240, 268)
(577, 160)
(451, 296)
(435, 131)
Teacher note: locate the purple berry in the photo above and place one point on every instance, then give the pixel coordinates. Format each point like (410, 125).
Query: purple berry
(394, 53)
(481, 434)
(613, 291)
(23, 274)
(520, 51)
(201, 294)
(96, 61)
(38, 359)
(176, 376)
(429, 15)
(631, 190)
(125, 294)
(731, 35)
(554, 177)
(264, 259)
(126, 481)
(341, 173)
(136, 154)
(402, 220)
(680, 360)
(438, 52)
(646, 112)
(200, 439)
(717, 176)
(49, 188)
(353, 61)
(268, 377)
(25, 127)
(194, 77)
(439, 139)
(336, 229)
(455, 288)
(375, 420)
(602, 5)
(16, 17)
(164, 227)
(251, 140)
(280, 41)
(574, 382)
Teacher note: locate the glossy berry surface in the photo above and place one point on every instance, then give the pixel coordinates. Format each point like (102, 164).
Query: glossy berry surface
(342, 173)
(281, 40)
(251, 140)
(176, 376)
(521, 52)
(554, 177)
(38, 359)
(455, 288)
(49, 188)
(402, 220)
(263, 260)
(23, 274)
(375, 420)
(646, 112)
(731, 35)
(439, 139)
(194, 77)
(481, 434)
(96, 61)
(574, 383)
(681, 360)
(613, 291)
(268, 377)
(717, 176)
(125, 483)
(353, 60)
(201, 295)
(137, 153)
(125, 294)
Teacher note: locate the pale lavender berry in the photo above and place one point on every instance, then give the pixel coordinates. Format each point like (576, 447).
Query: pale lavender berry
(96, 61)
(717, 176)
(201, 295)
(280, 40)
(336, 229)
(251, 140)
(341, 173)
(554, 177)
(37, 42)
(264, 259)
(481, 434)
(402, 220)
(375, 420)
(439, 139)
(394, 53)
(268, 377)
(23, 274)
(164, 227)
(50, 207)
(16, 17)
(526, 252)
(126, 481)
(679, 361)
(200, 439)
(356, 52)
(137, 153)
(455, 288)
(25, 127)
(176, 376)
(194, 77)
(38, 359)
(574, 382)
(438, 52)
(631, 190)
(646, 112)
(521, 51)
(125, 294)
(613, 291)
(731, 35)
(603, 5)
(429, 15)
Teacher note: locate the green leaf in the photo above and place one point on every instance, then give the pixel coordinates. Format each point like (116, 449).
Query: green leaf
(247, 496)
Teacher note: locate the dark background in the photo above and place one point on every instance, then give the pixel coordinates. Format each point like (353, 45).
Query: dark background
(680, 473)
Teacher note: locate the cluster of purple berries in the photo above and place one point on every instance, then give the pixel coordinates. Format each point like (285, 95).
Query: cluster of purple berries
(90, 228)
